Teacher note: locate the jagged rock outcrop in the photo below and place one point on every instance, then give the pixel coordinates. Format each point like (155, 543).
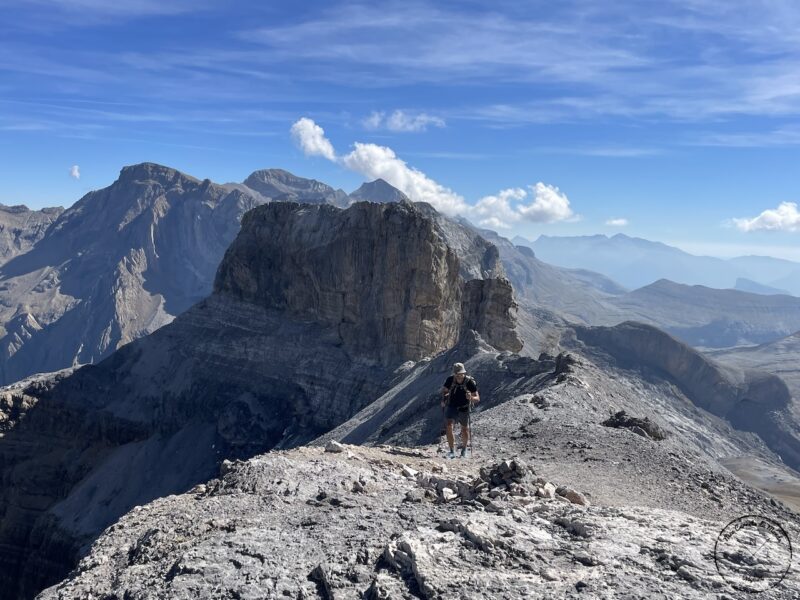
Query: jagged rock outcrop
(269, 360)
(277, 184)
(486, 306)
(118, 264)
(21, 228)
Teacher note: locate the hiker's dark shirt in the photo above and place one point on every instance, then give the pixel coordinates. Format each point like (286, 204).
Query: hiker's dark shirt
(458, 395)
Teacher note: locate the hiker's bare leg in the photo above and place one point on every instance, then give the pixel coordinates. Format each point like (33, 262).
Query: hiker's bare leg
(464, 436)
(451, 440)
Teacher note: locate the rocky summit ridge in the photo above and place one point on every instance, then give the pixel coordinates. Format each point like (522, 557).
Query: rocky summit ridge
(552, 503)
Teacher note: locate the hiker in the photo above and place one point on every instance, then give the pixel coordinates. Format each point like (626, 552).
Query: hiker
(458, 394)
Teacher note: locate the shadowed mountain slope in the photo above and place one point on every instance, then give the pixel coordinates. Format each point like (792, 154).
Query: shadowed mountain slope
(118, 264)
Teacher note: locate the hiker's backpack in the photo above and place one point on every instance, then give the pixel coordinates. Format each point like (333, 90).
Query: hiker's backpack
(455, 386)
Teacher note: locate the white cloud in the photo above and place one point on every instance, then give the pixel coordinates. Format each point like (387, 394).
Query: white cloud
(402, 121)
(617, 222)
(75, 172)
(496, 211)
(784, 218)
(373, 161)
(549, 205)
(311, 139)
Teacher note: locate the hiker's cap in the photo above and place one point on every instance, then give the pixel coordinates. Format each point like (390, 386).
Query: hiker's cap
(459, 368)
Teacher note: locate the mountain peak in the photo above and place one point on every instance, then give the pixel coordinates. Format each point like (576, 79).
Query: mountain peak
(148, 171)
(281, 184)
(378, 191)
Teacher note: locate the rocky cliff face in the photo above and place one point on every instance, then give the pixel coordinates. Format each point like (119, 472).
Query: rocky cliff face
(275, 357)
(750, 400)
(21, 228)
(117, 265)
(396, 289)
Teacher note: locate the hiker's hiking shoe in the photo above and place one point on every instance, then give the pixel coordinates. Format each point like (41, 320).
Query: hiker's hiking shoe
(463, 453)
(451, 454)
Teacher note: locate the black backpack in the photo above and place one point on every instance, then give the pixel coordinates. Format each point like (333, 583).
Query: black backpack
(455, 386)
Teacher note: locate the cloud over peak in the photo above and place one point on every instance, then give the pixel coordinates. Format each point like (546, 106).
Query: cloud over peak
(617, 222)
(373, 162)
(545, 203)
(75, 172)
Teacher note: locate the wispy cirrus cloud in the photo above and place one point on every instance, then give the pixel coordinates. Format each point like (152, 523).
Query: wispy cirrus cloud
(402, 121)
(588, 62)
(788, 135)
(59, 14)
(681, 61)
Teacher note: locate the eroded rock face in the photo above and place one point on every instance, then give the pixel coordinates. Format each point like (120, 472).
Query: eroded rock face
(382, 274)
(489, 308)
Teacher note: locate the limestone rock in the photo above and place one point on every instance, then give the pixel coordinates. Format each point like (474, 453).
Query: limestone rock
(334, 446)
(21, 228)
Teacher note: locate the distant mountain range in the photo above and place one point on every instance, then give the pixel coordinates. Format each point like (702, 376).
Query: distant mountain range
(123, 261)
(636, 262)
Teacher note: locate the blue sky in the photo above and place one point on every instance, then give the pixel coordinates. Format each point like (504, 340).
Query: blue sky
(678, 118)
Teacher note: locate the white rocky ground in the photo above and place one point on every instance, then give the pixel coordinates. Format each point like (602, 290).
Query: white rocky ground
(389, 522)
